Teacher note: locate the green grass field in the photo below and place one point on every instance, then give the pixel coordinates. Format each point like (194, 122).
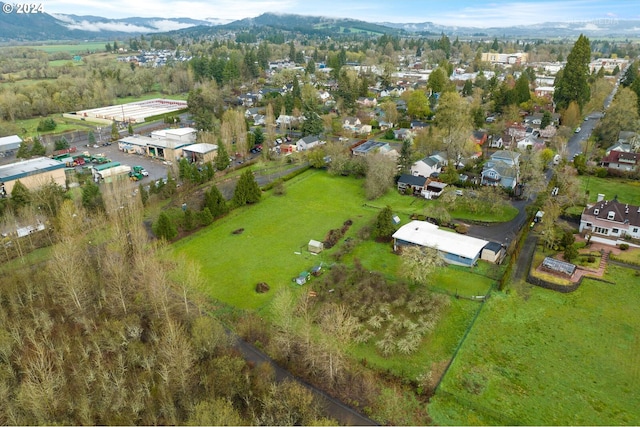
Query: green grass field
(274, 230)
(273, 246)
(82, 47)
(279, 226)
(628, 191)
(550, 359)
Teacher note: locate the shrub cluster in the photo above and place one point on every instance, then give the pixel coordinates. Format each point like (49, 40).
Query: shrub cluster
(334, 235)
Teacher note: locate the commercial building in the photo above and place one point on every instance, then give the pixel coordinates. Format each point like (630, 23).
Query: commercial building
(32, 173)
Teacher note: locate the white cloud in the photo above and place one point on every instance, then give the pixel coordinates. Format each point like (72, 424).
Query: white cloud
(107, 26)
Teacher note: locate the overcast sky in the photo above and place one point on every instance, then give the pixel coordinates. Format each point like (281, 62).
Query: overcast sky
(463, 13)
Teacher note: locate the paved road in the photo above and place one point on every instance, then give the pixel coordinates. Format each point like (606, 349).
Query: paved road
(504, 232)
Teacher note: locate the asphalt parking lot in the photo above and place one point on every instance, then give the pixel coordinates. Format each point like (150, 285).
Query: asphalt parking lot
(157, 169)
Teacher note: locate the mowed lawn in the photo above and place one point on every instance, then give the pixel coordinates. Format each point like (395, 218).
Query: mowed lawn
(550, 359)
(275, 230)
(628, 191)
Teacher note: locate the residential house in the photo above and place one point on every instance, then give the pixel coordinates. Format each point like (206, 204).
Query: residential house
(250, 113)
(415, 183)
(511, 158)
(350, 123)
(621, 161)
(433, 189)
(367, 102)
(259, 120)
(362, 129)
(427, 166)
(402, 134)
(454, 248)
(284, 120)
(308, 142)
(545, 92)
(501, 169)
(479, 137)
(418, 124)
(530, 142)
(367, 147)
(611, 219)
(496, 141)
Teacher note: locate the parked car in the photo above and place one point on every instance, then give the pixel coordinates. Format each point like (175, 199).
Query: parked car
(578, 129)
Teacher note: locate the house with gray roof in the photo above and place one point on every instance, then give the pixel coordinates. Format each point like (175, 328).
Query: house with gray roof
(611, 219)
(501, 169)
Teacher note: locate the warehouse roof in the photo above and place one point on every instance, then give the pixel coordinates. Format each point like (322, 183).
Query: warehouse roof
(24, 168)
(201, 148)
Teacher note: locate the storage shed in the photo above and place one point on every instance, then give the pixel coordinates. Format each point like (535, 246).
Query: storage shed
(302, 278)
(493, 252)
(315, 247)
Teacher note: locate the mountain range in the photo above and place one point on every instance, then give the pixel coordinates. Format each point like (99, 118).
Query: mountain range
(43, 26)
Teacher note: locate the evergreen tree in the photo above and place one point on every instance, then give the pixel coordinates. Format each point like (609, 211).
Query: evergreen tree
(92, 197)
(189, 220)
(165, 228)
(23, 151)
(546, 119)
(247, 190)
(222, 158)
(20, 195)
(572, 82)
(61, 144)
(130, 129)
(404, 161)
(311, 67)
(522, 91)
(91, 138)
(467, 89)
(144, 194)
(37, 149)
(437, 80)
(205, 217)
(215, 202)
(312, 124)
(115, 135)
(170, 187)
(258, 136)
(631, 75)
(383, 228)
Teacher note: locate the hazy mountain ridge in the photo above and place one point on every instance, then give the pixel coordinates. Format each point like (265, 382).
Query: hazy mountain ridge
(44, 26)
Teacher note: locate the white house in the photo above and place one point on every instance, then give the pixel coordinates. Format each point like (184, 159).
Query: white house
(308, 142)
(611, 219)
(454, 248)
(425, 167)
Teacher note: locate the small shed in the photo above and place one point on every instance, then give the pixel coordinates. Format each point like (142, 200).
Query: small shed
(493, 252)
(302, 278)
(315, 247)
(316, 270)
